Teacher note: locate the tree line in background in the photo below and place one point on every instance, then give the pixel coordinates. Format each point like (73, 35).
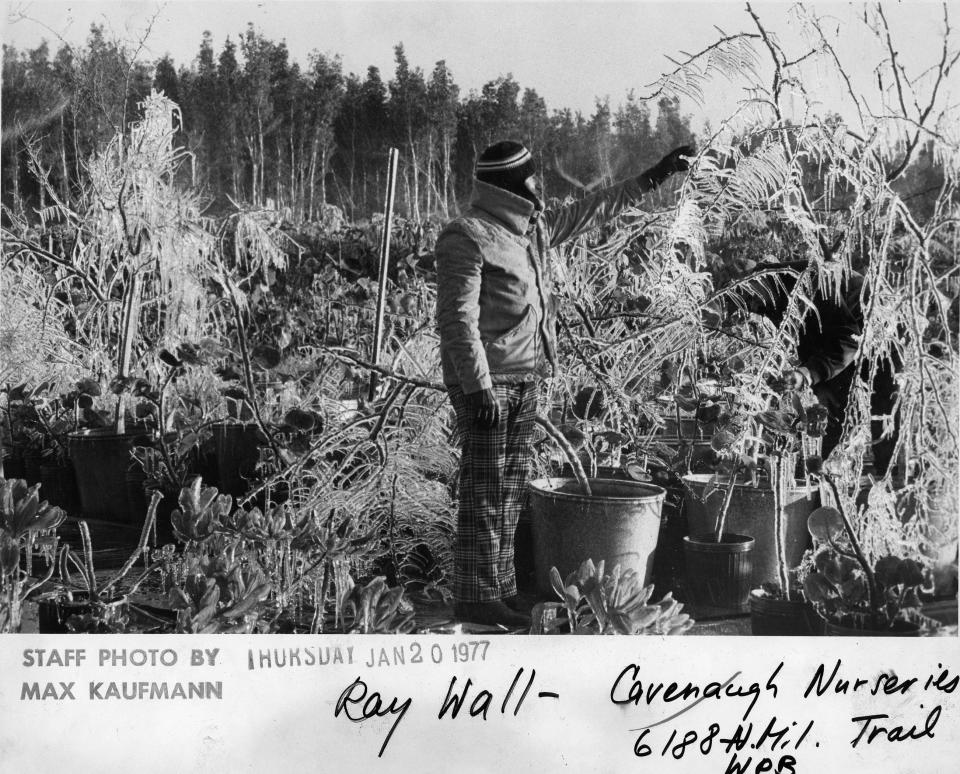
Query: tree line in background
(264, 130)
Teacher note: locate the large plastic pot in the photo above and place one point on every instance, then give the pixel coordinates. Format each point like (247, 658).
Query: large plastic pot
(237, 450)
(58, 486)
(13, 466)
(619, 524)
(100, 460)
(901, 629)
(53, 612)
(718, 574)
(772, 617)
(751, 513)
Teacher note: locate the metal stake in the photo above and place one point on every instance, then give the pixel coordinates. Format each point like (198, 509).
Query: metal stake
(393, 158)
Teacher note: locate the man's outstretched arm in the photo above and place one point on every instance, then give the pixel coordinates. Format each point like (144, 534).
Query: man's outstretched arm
(573, 220)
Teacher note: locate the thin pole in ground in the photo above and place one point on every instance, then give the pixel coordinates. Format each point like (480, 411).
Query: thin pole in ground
(393, 157)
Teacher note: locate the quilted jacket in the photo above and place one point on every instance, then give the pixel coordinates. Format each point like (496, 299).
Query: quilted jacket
(495, 310)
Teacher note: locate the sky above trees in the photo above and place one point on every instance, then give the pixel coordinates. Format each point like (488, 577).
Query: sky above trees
(573, 52)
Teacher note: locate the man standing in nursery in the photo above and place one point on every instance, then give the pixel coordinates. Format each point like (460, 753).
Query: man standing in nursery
(496, 316)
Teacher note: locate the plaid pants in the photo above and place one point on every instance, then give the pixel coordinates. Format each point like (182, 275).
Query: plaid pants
(494, 467)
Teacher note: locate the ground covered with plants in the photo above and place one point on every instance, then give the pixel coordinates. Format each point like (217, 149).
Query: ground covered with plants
(206, 385)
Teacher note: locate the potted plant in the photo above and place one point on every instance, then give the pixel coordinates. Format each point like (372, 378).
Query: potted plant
(179, 410)
(139, 240)
(781, 608)
(23, 433)
(101, 455)
(853, 596)
(771, 508)
(576, 518)
(718, 562)
(44, 421)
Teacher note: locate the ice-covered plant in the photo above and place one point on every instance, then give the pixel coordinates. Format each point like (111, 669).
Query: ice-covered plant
(100, 591)
(102, 599)
(846, 588)
(203, 512)
(219, 594)
(23, 519)
(373, 608)
(614, 603)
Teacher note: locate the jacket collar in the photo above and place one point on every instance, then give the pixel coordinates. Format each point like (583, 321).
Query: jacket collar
(511, 210)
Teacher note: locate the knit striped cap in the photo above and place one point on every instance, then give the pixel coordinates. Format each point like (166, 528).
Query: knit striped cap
(506, 164)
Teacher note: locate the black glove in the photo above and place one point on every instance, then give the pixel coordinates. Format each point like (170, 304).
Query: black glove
(669, 164)
(483, 409)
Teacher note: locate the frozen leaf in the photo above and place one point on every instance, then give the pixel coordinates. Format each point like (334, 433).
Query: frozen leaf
(589, 403)
(911, 573)
(722, 440)
(613, 438)
(828, 565)
(299, 419)
(556, 582)
(816, 588)
(574, 436)
(709, 412)
(89, 387)
(169, 359)
(825, 524)
(266, 357)
(854, 591)
(236, 393)
(189, 354)
(888, 570)
(779, 422)
(686, 403)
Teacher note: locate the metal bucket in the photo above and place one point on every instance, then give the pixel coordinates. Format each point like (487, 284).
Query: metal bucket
(751, 513)
(619, 523)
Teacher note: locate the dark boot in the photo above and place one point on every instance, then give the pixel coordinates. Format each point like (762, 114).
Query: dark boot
(517, 605)
(491, 613)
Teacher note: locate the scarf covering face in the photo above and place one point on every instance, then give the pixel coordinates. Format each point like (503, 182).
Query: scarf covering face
(508, 165)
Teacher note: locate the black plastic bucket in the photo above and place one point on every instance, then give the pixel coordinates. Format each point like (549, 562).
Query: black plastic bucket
(238, 452)
(719, 576)
(772, 617)
(100, 460)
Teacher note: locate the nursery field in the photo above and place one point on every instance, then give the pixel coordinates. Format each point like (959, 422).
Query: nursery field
(236, 422)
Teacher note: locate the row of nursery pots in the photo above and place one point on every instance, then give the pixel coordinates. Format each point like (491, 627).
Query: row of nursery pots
(620, 523)
(57, 480)
(101, 480)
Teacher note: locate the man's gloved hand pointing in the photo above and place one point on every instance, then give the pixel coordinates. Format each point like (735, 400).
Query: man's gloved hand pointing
(484, 409)
(676, 160)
